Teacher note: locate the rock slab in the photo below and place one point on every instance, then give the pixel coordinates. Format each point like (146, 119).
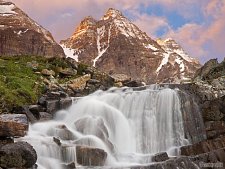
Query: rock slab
(13, 125)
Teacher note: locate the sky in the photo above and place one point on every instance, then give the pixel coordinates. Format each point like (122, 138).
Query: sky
(197, 25)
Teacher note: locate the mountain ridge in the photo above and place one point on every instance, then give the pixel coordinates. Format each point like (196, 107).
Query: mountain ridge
(115, 45)
(21, 35)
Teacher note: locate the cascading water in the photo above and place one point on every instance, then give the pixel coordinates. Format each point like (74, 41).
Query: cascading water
(129, 125)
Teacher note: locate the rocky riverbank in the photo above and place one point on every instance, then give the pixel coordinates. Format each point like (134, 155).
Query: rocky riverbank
(33, 89)
(53, 83)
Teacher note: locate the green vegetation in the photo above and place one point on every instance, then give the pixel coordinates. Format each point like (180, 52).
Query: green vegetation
(20, 82)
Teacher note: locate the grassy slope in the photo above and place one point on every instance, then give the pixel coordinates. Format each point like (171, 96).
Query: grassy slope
(19, 84)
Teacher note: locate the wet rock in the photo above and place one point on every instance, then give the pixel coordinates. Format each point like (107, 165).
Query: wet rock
(69, 166)
(12, 125)
(29, 114)
(44, 116)
(89, 156)
(160, 157)
(52, 106)
(61, 132)
(35, 109)
(57, 141)
(65, 103)
(18, 155)
(42, 101)
(133, 83)
(216, 157)
(203, 146)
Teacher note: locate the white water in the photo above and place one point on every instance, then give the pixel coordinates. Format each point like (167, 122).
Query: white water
(129, 125)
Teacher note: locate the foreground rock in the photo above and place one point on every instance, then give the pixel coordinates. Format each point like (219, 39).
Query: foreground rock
(203, 146)
(18, 155)
(13, 125)
(89, 156)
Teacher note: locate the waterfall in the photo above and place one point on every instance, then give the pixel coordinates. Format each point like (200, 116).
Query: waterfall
(128, 124)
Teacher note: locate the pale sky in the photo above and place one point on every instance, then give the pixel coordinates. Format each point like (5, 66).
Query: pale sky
(198, 25)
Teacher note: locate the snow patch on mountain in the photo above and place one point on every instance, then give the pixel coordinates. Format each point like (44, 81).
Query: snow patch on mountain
(149, 46)
(100, 35)
(164, 61)
(7, 10)
(71, 53)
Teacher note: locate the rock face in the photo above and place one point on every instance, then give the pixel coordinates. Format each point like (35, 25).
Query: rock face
(18, 155)
(117, 46)
(20, 35)
(211, 70)
(12, 125)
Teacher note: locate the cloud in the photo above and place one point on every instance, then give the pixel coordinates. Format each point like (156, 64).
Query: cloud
(204, 40)
(151, 24)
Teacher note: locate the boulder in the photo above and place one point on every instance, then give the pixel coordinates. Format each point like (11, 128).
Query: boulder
(121, 78)
(163, 156)
(47, 72)
(65, 102)
(106, 80)
(29, 114)
(62, 132)
(79, 83)
(44, 116)
(12, 125)
(18, 155)
(133, 83)
(5, 140)
(93, 81)
(67, 72)
(35, 109)
(69, 166)
(52, 106)
(90, 156)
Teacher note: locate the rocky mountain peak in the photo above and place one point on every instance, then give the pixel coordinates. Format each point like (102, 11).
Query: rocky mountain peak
(112, 13)
(116, 45)
(20, 35)
(87, 21)
(171, 46)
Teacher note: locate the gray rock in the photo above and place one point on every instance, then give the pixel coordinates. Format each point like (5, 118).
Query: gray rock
(52, 106)
(65, 103)
(44, 116)
(163, 156)
(18, 155)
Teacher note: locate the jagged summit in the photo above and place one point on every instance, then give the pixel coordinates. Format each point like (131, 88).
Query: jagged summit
(20, 35)
(115, 45)
(112, 13)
